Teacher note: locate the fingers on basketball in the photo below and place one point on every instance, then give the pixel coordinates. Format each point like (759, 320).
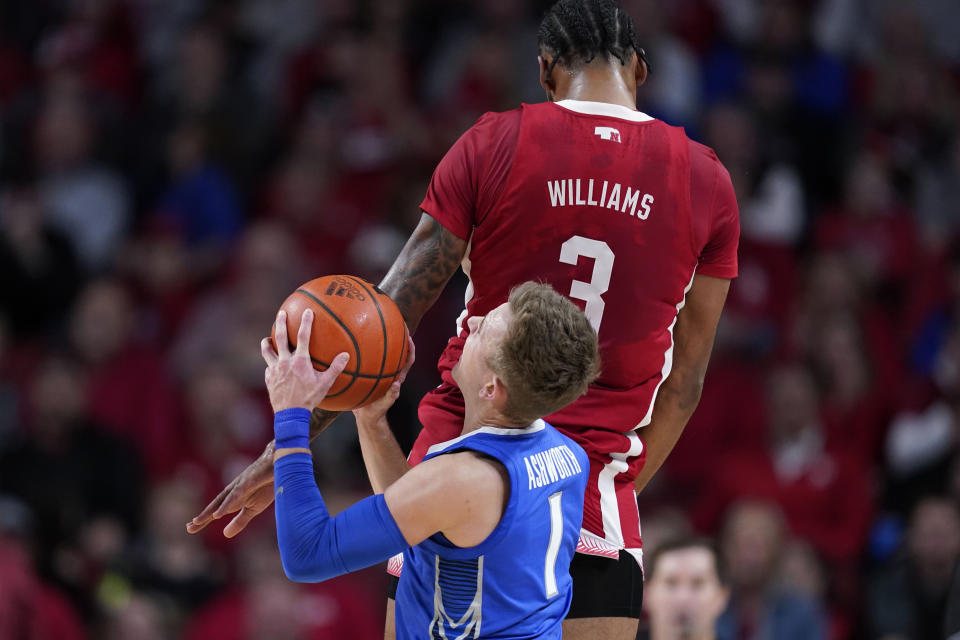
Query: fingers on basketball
(280, 330)
(268, 352)
(353, 316)
(303, 335)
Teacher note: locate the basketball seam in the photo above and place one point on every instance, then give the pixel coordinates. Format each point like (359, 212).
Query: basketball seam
(403, 349)
(354, 374)
(383, 326)
(356, 346)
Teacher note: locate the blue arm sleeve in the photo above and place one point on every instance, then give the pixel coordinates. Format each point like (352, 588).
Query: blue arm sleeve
(314, 546)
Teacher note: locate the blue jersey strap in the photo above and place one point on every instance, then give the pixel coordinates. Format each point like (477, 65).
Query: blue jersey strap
(314, 546)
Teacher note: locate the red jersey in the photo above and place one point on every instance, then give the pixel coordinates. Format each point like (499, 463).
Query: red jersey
(617, 211)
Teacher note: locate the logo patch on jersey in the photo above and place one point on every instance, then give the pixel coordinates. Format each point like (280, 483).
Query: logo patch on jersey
(345, 289)
(607, 133)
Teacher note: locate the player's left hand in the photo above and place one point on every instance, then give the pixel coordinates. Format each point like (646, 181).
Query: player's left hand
(378, 408)
(291, 379)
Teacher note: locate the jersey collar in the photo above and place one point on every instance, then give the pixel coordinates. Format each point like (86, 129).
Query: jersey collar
(537, 425)
(604, 109)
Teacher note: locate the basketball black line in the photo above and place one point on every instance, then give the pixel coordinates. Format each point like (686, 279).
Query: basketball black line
(403, 349)
(383, 326)
(369, 376)
(356, 347)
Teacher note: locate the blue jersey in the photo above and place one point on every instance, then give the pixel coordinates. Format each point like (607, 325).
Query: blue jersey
(515, 584)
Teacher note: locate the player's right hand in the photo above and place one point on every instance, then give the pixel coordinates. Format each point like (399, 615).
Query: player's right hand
(378, 409)
(291, 379)
(249, 494)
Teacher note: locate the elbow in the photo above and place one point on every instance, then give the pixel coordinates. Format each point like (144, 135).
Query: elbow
(300, 571)
(295, 571)
(693, 392)
(307, 563)
(299, 561)
(686, 390)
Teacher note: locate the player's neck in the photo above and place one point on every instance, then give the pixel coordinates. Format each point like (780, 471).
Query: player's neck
(485, 415)
(597, 83)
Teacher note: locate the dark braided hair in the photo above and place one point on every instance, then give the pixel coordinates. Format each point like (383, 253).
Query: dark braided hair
(577, 31)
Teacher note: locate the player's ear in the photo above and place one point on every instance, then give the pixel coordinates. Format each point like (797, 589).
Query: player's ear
(488, 390)
(640, 69)
(546, 75)
(498, 393)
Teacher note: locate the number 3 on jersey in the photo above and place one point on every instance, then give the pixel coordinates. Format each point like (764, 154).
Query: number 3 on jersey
(590, 292)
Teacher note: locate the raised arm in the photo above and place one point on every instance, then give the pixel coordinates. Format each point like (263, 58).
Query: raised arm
(461, 494)
(418, 275)
(382, 456)
(416, 278)
(423, 268)
(679, 394)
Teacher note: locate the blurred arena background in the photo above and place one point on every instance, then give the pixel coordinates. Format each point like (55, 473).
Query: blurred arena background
(170, 170)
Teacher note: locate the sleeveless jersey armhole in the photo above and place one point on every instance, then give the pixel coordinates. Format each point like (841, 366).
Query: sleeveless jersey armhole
(439, 544)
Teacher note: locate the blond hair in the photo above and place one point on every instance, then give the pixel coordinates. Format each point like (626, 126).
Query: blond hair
(549, 354)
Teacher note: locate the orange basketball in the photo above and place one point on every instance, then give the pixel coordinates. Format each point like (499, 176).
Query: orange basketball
(352, 315)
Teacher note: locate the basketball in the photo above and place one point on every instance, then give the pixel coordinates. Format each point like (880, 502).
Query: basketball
(351, 315)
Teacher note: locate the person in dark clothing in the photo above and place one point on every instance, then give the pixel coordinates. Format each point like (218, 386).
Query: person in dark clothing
(66, 469)
(41, 275)
(909, 598)
(951, 627)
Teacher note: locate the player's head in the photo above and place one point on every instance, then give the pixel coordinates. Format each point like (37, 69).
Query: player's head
(575, 34)
(685, 590)
(529, 357)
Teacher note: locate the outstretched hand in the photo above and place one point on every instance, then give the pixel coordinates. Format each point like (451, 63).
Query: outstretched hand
(252, 491)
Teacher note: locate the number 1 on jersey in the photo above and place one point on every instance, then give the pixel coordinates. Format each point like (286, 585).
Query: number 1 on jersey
(590, 292)
(553, 546)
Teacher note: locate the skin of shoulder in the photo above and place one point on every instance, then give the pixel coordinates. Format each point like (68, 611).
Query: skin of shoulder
(462, 495)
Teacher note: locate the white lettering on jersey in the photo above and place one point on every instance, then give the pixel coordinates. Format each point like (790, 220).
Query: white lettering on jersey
(551, 465)
(630, 199)
(558, 190)
(614, 201)
(607, 133)
(530, 474)
(567, 192)
(645, 205)
(579, 201)
(590, 199)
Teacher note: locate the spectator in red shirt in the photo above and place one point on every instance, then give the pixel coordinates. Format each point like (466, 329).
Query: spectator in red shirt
(128, 388)
(30, 609)
(856, 406)
(877, 234)
(826, 496)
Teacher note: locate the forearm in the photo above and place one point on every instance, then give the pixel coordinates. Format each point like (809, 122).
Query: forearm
(674, 405)
(382, 455)
(693, 336)
(313, 546)
(423, 268)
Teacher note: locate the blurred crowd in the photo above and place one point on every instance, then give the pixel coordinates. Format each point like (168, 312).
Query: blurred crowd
(170, 170)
